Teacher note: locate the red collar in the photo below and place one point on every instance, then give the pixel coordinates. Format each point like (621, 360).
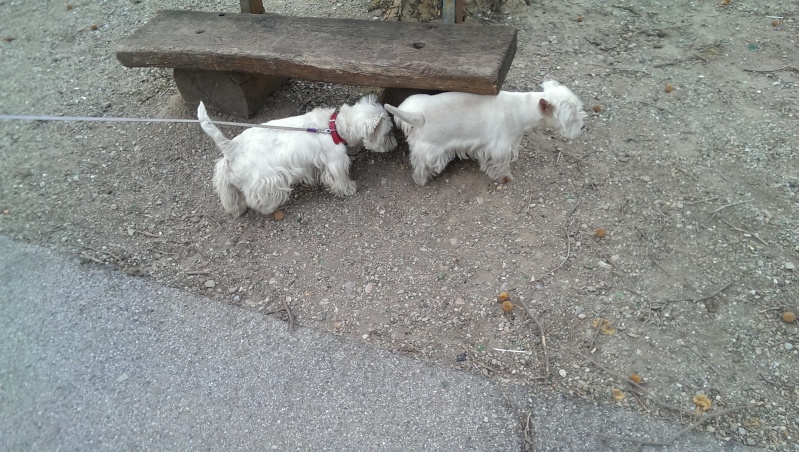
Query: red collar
(333, 133)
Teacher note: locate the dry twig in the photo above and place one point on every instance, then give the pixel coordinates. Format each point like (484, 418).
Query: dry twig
(291, 316)
(755, 235)
(695, 300)
(543, 337)
(651, 395)
(696, 352)
(784, 68)
(198, 272)
(670, 440)
(99, 251)
(713, 214)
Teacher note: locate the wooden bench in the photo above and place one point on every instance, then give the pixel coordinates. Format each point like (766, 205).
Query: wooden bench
(234, 61)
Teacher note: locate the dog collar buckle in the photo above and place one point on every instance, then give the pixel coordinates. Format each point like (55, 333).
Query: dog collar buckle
(332, 130)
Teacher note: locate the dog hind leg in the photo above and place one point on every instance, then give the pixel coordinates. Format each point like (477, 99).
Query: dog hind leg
(229, 195)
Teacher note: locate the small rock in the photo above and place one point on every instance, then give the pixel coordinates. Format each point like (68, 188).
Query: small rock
(562, 373)
(453, 241)
(751, 442)
(790, 266)
(368, 288)
(131, 231)
(788, 346)
(741, 431)
(581, 316)
(122, 378)
(210, 284)
(646, 178)
(460, 301)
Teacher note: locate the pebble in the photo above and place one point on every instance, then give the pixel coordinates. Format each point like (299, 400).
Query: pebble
(581, 316)
(368, 288)
(788, 346)
(210, 284)
(790, 266)
(646, 178)
(562, 373)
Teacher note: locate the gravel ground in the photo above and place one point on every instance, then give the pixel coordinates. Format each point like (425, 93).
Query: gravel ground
(674, 217)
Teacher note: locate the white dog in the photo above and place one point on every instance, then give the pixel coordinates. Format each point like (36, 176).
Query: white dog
(259, 167)
(483, 127)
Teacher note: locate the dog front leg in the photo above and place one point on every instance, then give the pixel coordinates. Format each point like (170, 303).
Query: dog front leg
(336, 176)
(497, 168)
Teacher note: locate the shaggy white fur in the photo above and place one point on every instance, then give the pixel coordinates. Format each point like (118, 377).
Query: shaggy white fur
(259, 167)
(483, 127)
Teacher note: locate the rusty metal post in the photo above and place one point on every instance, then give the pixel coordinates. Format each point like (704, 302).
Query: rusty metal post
(252, 6)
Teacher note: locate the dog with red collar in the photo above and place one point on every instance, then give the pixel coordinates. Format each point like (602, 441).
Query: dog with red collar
(259, 167)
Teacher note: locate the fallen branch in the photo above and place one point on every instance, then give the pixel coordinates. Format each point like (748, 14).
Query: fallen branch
(651, 395)
(695, 300)
(198, 272)
(659, 266)
(99, 251)
(784, 68)
(86, 255)
(707, 363)
(713, 214)
(543, 337)
(670, 440)
(291, 316)
(757, 236)
(690, 203)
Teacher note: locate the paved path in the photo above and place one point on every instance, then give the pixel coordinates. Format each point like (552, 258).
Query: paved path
(92, 359)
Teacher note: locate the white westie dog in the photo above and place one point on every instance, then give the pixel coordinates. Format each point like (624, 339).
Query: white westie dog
(259, 167)
(486, 128)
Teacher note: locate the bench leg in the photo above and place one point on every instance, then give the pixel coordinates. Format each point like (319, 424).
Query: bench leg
(233, 93)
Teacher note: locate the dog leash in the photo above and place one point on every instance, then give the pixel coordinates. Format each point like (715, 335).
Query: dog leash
(107, 119)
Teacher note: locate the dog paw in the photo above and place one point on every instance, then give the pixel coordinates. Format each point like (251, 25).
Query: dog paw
(505, 179)
(351, 189)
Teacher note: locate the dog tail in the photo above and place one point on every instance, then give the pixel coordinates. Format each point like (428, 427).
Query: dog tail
(225, 145)
(409, 117)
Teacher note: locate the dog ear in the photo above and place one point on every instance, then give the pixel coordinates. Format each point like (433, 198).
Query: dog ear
(547, 109)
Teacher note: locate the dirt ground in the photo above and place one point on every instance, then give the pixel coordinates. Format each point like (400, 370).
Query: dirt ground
(674, 216)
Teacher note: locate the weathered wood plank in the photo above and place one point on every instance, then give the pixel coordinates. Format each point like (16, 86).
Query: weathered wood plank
(469, 58)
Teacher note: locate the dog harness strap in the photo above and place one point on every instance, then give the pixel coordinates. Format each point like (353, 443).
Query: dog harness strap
(333, 133)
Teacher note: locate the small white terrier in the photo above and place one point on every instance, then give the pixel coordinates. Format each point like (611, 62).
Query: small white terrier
(483, 127)
(259, 167)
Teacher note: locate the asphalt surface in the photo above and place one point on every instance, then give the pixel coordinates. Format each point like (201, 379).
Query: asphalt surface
(92, 359)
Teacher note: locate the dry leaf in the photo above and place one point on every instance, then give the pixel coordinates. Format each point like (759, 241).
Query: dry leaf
(636, 378)
(788, 317)
(503, 297)
(507, 306)
(279, 215)
(600, 233)
(702, 403)
(617, 394)
(604, 326)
